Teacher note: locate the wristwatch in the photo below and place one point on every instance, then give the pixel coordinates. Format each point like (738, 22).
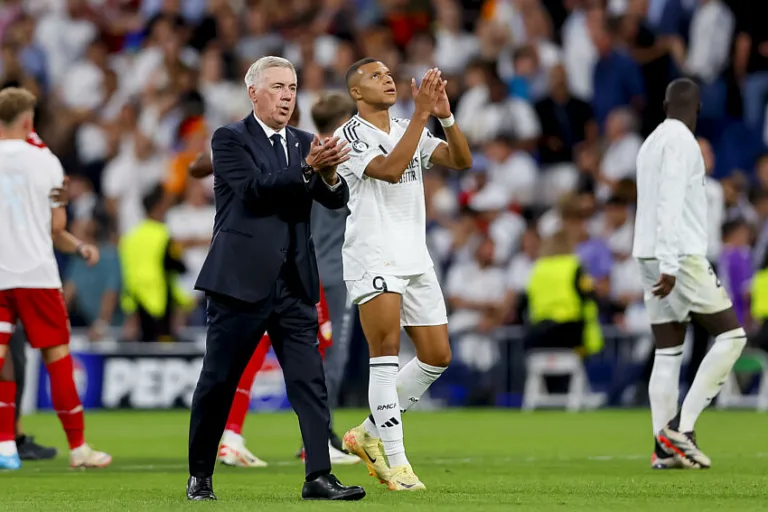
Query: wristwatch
(307, 170)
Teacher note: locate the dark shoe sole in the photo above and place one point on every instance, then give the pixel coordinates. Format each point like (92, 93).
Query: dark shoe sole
(353, 496)
(201, 498)
(38, 456)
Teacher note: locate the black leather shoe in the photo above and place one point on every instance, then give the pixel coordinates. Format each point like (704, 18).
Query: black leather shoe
(328, 487)
(199, 489)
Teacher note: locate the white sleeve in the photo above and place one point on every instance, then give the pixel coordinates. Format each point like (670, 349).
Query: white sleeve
(361, 155)
(427, 145)
(673, 177)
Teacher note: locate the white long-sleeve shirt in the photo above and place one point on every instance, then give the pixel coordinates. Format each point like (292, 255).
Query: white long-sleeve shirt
(671, 217)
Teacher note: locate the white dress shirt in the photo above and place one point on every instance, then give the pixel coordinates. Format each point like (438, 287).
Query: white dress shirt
(270, 133)
(671, 218)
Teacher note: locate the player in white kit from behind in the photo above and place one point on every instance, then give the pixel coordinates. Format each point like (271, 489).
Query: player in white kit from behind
(387, 268)
(30, 286)
(680, 285)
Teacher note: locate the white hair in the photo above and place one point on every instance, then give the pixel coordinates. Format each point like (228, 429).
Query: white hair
(255, 74)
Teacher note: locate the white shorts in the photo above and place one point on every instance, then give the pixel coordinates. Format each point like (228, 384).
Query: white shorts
(697, 290)
(422, 299)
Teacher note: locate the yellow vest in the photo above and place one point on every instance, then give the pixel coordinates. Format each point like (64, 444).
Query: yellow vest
(760, 295)
(553, 296)
(145, 280)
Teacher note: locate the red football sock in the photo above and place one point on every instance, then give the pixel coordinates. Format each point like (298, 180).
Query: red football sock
(7, 409)
(66, 402)
(243, 395)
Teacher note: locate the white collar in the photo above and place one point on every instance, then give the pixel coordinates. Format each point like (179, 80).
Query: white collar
(269, 131)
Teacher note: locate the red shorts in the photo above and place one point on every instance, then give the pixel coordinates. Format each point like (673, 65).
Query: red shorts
(42, 313)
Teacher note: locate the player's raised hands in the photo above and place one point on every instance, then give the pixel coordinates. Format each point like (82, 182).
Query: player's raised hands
(327, 153)
(442, 107)
(426, 95)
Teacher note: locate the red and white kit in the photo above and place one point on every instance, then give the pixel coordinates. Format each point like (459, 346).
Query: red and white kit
(30, 286)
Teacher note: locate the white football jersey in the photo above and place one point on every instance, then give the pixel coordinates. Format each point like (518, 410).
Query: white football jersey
(671, 216)
(27, 175)
(386, 228)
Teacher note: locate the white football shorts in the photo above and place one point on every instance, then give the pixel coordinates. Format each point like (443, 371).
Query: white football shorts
(697, 290)
(422, 300)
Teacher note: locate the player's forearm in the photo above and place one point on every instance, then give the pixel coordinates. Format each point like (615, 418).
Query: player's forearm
(458, 148)
(65, 242)
(392, 167)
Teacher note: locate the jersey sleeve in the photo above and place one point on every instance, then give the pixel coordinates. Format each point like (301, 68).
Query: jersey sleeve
(671, 197)
(361, 155)
(55, 173)
(427, 145)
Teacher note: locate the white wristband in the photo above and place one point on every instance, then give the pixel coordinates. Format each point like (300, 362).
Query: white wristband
(447, 122)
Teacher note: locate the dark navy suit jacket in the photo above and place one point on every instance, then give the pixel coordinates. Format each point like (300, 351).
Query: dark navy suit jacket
(259, 209)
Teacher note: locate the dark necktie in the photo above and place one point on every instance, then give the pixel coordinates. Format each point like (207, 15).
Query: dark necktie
(277, 146)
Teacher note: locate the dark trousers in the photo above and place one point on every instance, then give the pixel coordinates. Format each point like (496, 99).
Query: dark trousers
(234, 331)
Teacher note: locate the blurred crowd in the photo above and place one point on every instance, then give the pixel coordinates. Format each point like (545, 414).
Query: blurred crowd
(555, 97)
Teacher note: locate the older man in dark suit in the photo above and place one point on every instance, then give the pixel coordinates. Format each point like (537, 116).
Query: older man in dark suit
(261, 273)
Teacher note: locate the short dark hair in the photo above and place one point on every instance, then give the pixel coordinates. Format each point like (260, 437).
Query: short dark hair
(357, 65)
(153, 199)
(330, 109)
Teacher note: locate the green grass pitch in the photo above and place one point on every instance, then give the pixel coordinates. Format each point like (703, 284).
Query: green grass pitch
(484, 460)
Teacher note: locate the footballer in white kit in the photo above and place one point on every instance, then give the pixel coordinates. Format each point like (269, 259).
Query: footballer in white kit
(387, 268)
(31, 225)
(385, 246)
(670, 246)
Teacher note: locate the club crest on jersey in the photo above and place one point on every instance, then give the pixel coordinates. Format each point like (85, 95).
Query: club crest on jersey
(359, 146)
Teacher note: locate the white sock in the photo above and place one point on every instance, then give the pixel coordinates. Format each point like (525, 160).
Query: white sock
(413, 380)
(664, 386)
(8, 448)
(385, 407)
(711, 376)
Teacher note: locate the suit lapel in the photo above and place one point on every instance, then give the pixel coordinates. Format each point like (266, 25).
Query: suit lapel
(262, 142)
(294, 147)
